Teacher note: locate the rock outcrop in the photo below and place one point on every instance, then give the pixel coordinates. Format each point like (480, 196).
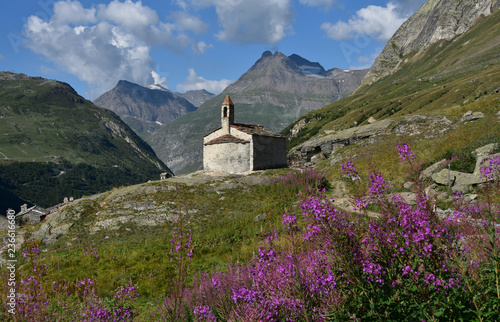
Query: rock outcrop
(324, 146)
(461, 181)
(436, 20)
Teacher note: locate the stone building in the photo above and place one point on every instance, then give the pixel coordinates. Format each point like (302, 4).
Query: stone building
(236, 148)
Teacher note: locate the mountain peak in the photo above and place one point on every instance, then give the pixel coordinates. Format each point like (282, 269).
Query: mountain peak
(267, 53)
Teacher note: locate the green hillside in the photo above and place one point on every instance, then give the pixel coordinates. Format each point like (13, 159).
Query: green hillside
(55, 144)
(449, 78)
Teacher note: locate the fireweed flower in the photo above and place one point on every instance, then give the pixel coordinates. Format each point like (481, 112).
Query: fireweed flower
(349, 171)
(378, 186)
(405, 153)
(290, 222)
(203, 312)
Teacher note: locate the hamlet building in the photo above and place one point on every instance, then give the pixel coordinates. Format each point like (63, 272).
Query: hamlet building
(237, 148)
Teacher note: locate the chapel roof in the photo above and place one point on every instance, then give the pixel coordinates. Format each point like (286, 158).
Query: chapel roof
(251, 129)
(226, 139)
(227, 100)
(255, 129)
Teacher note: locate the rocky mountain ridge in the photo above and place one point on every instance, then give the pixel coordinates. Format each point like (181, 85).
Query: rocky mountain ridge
(144, 109)
(435, 21)
(195, 97)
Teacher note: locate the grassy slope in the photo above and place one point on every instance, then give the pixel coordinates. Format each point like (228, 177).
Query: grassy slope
(222, 226)
(449, 78)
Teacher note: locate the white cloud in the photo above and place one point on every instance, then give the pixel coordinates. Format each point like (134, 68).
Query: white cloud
(105, 44)
(200, 47)
(2, 57)
(159, 80)
(375, 21)
(194, 82)
(185, 21)
(326, 4)
(256, 21)
(128, 13)
(72, 12)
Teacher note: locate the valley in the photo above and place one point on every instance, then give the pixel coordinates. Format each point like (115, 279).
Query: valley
(389, 208)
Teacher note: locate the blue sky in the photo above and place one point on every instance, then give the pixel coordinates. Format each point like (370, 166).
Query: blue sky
(187, 44)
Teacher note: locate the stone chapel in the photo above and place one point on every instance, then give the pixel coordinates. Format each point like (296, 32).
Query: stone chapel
(237, 148)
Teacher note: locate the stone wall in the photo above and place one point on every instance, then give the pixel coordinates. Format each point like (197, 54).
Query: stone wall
(227, 157)
(269, 152)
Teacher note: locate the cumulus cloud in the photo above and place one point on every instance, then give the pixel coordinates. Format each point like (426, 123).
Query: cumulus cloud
(326, 4)
(194, 82)
(128, 14)
(256, 21)
(103, 44)
(375, 21)
(201, 47)
(73, 12)
(186, 21)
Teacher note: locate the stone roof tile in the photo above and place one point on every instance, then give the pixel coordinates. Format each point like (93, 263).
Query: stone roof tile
(226, 139)
(255, 129)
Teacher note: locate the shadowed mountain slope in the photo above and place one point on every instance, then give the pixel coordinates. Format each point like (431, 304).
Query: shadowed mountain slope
(56, 144)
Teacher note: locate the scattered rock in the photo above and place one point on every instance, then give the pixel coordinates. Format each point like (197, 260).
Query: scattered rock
(483, 155)
(427, 173)
(455, 178)
(471, 196)
(430, 188)
(408, 185)
(260, 217)
(409, 197)
(372, 120)
(460, 181)
(472, 116)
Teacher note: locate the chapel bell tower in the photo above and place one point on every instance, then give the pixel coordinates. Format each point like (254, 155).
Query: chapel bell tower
(227, 115)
